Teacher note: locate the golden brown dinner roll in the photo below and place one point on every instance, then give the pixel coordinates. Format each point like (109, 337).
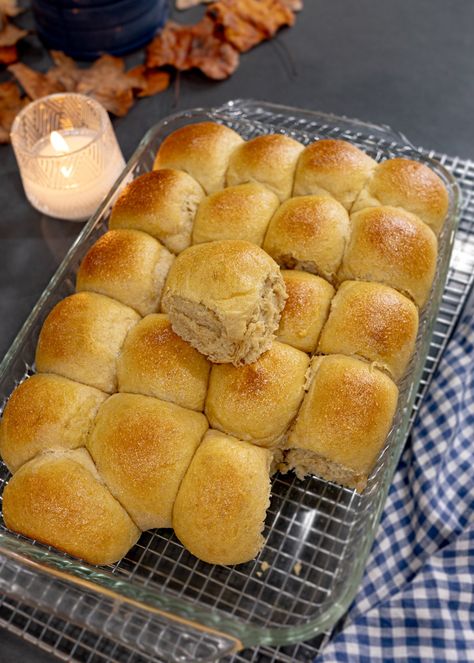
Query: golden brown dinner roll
(81, 339)
(163, 204)
(46, 412)
(371, 321)
(142, 448)
(333, 167)
(394, 247)
(219, 512)
(202, 150)
(237, 212)
(258, 402)
(127, 265)
(225, 298)
(306, 309)
(157, 362)
(410, 185)
(343, 421)
(270, 160)
(309, 233)
(58, 499)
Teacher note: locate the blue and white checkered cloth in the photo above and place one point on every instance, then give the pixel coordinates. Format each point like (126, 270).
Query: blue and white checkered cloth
(416, 600)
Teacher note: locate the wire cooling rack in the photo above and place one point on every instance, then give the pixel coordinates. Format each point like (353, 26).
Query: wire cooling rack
(71, 643)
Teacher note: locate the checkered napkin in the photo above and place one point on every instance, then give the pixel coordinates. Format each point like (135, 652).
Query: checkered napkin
(416, 601)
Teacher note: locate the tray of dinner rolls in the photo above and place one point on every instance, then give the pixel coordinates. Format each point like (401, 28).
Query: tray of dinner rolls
(203, 413)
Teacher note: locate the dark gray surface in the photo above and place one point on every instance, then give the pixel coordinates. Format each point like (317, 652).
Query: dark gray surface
(407, 63)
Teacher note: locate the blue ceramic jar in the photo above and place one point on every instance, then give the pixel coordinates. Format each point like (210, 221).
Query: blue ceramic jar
(86, 29)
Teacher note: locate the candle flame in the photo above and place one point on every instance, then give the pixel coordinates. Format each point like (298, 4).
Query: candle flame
(58, 143)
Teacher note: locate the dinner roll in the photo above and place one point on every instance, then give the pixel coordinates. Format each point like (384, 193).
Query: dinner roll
(127, 265)
(309, 233)
(258, 402)
(46, 412)
(59, 499)
(220, 509)
(270, 160)
(225, 298)
(410, 185)
(343, 421)
(237, 212)
(81, 339)
(306, 309)
(157, 362)
(332, 167)
(163, 204)
(371, 321)
(142, 448)
(202, 150)
(394, 247)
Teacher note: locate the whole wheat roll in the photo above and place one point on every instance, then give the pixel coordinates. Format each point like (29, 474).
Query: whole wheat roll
(343, 422)
(81, 339)
(203, 150)
(374, 322)
(333, 167)
(257, 402)
(220, 509)
(154, 361)
(269, 159)
(391, 246)
(410, 185)
(127, 265)
(162, 203)
(46, 412)
(142, 448)
(59, 499)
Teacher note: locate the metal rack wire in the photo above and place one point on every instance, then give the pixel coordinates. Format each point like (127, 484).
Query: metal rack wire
(152, 560)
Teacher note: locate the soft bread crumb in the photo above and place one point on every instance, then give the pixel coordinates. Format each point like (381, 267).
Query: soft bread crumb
(297, 568)
(264, 566)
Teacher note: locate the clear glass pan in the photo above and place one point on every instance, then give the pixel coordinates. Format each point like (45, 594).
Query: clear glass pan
(159, 598)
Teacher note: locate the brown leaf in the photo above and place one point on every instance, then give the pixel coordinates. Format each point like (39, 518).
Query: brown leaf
(148, 81)
(181, 5)
(245, 23)
(294, 5)
(9, 33)
(10, 8)
(193, 46)
(34, 83)
(8, 54)
(11, 103)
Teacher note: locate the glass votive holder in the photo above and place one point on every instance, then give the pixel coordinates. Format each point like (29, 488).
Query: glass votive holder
(67, 153)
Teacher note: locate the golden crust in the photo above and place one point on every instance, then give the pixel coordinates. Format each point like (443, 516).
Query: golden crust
(162, 203)
(306, 309)
(220, 508)
(333, 167)
(202, 150)
(237, 212)
(394, 247)
(156, 362)
(82, 337)
(309, 233)
(127, 265)
(57, 499)
(410, 185)
(346, 414)
(270, 160)
(46, 412)
(142, 448)
(374, 322)
(257, 402)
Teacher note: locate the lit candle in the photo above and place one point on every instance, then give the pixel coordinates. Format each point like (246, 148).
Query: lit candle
(68, 155)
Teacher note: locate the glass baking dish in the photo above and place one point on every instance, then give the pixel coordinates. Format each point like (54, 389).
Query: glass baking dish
(159, 598)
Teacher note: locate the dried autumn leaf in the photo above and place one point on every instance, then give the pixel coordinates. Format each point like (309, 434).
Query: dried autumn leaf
(8, 54)
(294, 5)
(34, 83)
(150, 81)
(9, 33)
(193, 46)
(245, 23)
(11, 103)
(10, 8)
(181, 5)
